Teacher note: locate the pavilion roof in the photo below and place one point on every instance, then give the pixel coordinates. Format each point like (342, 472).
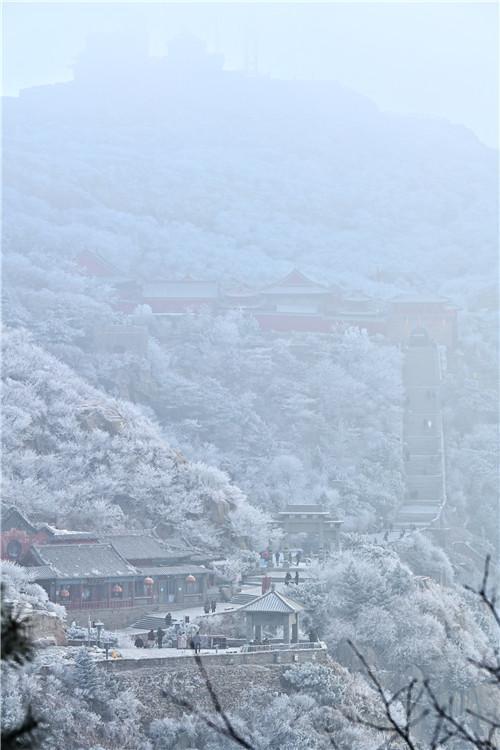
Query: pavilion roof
(272, 602)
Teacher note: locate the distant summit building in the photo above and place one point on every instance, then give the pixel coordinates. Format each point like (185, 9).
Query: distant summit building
(293, 304)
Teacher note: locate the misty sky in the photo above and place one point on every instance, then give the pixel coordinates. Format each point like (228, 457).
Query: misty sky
(437, 59)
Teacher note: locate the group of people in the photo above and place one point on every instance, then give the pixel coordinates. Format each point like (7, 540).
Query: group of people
(151, 639)
(210, 606)
(287, 557)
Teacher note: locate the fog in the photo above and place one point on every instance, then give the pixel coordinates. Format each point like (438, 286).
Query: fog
(250, 376)
(446, 53)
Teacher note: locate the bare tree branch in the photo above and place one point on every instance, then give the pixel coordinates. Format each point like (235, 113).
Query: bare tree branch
(226, 729)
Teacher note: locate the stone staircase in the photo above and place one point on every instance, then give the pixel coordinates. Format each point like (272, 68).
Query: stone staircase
(149, 622)
(423, 439)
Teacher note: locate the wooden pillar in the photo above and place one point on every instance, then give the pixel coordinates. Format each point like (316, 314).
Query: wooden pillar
(321, 534)
(249, 627)
(295, 629)
(286, 628)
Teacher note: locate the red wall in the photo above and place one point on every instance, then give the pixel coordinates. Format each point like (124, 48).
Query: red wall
(26, 540)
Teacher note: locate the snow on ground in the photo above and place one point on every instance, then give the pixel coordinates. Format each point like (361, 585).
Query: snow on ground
(193, 613)
(162, 653)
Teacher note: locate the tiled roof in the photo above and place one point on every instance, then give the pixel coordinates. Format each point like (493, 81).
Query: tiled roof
(304, 508)
(272, 602)
(40, 573)
(66, 533)
(138, 546)
(173, 570)
(12, 518)
(84, 561)
(297, 283)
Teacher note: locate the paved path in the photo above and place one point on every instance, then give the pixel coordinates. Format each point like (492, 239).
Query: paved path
(198, 611)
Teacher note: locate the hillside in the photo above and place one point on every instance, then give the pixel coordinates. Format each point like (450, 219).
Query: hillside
(173, 167)
(73, 454)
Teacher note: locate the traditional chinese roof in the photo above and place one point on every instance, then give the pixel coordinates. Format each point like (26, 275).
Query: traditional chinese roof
(173, 570)
(68, 533)
(419, 298)
(304, 508)
(14, 519)
(93, 264)
(39, 573)
(272, 602)
(296, 283)
(74, 561)
(140, 547)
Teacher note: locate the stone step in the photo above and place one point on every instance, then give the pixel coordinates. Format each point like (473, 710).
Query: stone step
(149, 622)
(420, 446)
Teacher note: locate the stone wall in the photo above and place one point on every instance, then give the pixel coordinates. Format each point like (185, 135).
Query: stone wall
(221, 659)
(154, 683)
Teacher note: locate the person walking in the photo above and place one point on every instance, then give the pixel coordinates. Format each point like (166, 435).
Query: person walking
(159, 637)
(206, 607)
(168, 620)
(138, 643)
(298, 557)
(151, 639)
(277, 557)
(197, 643)
(288, 578)
(296, 577)
(213, 605)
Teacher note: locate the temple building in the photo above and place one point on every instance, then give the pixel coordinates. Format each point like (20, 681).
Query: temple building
(309, 527)
(98, 576)
(293, 304)
(18, 535)
(433, 314)
(272, 611)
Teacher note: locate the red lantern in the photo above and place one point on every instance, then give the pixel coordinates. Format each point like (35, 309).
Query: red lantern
(64, 593)
(190, 579)
(117, 589)
(148, 581)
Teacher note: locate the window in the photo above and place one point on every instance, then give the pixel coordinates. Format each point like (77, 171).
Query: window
(14, 549)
